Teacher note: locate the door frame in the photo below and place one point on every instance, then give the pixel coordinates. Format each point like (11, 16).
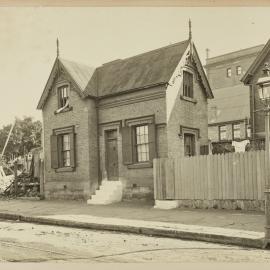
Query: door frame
(106, 150)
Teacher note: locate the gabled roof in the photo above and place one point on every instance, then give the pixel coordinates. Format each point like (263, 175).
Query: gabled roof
(256, 63)
(140, 71)
(80, 74)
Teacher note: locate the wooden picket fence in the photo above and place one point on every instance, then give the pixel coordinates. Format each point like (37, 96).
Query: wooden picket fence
(211, 177)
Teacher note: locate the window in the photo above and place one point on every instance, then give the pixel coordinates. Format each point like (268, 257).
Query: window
(229, 72)
(65, 153)
(222, 133)
(63, 148)
(139, 142)
(142, 143)
(248, 131)
(187, 84)
(189, 144)
(238, 70)
(63, 95)
(236, 131)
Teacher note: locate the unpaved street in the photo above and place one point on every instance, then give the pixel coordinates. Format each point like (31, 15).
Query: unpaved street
(25, 242)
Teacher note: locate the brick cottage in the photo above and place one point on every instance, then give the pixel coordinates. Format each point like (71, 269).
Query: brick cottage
(104, 126)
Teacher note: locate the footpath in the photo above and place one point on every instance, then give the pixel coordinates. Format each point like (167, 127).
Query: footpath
(234, 227)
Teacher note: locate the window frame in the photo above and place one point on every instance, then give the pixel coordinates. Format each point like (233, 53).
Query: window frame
(219, 132)
(60, 108)
(129, 157)
(61, 87)
(64, 151)
(188, 79)
(58, 134)
(229, 72)
(136, 144)
(233, 131)
(248, 131)
(193, 141)
(237, 70)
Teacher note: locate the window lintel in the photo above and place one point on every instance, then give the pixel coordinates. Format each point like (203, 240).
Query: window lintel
(64, 130)
(140, 121)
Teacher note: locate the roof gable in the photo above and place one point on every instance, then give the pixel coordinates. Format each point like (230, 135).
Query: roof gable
(256, 63)
(79, 74)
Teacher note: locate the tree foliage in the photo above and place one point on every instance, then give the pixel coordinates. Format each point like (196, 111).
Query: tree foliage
(26, 135)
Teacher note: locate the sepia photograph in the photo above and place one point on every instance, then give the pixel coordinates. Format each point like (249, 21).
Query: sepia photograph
(134, 133)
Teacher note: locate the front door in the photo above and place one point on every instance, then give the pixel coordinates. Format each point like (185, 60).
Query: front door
(111, 155)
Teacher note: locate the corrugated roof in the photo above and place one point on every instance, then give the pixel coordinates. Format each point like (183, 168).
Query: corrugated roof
(150, 68)
(79, 72)
(229, 104)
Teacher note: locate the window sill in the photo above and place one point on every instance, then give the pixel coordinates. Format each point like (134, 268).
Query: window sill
(192, 100)
(65, 169)
(65, 110)
(140, 165)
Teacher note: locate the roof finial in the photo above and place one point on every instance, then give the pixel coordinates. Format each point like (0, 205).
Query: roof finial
(189, 26)
(57, 47)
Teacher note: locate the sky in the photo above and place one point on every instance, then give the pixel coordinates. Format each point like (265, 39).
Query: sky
(94, 36)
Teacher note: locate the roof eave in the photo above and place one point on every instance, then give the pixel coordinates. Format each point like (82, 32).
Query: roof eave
(41, 101)
(132, 90)
(208, 90)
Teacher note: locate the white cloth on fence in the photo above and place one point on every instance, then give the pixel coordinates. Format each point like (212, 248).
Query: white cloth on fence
(240, 146)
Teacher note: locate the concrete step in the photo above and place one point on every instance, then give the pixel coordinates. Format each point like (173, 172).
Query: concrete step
(108, 192)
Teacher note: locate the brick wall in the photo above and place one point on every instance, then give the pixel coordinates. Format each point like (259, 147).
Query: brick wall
(185, 113)
(217, 73)
(83, 181)
(217, 76)
(113, 111)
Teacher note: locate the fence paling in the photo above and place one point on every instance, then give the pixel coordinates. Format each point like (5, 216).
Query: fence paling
(229, 176)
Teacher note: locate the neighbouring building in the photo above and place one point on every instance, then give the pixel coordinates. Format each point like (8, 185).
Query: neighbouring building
(250, 79)
(229, 112)
(104, 126)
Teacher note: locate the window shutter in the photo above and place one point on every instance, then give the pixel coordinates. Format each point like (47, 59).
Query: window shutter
(72, 150)
(152, 141)
(127, 145)
(54, 152)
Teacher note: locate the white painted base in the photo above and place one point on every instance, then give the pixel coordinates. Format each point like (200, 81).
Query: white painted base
(166, 204)
(109, 192)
